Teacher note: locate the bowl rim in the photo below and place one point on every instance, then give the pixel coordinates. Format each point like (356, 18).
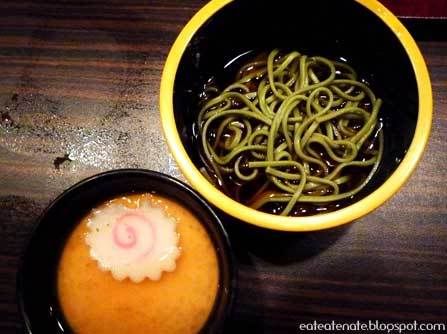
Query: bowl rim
(309, 223)
(220, 312)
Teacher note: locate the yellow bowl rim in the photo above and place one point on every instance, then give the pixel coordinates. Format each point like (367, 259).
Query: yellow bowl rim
(310, 223)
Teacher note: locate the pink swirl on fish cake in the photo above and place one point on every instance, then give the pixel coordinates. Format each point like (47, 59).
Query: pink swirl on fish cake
(124, 233)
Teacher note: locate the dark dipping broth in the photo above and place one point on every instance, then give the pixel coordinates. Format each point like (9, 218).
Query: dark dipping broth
(305, 145)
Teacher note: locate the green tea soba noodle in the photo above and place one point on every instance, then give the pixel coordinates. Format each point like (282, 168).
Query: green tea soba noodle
(291, 130)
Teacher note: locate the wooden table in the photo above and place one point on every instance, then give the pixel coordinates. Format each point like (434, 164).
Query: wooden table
(79, 95)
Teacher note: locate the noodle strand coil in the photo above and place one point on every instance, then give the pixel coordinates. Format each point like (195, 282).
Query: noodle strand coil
(291, 127)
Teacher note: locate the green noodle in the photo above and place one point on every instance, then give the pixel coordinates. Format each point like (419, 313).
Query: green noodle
(303, 112)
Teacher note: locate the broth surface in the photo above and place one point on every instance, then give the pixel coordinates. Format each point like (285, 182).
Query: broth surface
(92, 301)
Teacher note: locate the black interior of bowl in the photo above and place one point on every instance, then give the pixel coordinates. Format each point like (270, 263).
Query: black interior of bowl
(37, 277)
(329, 28)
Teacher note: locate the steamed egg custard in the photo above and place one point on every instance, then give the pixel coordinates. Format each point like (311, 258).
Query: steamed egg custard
(138, 264)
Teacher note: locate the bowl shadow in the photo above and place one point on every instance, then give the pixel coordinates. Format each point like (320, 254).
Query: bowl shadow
(252, 244)
(277, 247)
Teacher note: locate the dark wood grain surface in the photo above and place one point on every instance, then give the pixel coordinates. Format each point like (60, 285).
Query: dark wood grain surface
(415, 8)
(79, 94)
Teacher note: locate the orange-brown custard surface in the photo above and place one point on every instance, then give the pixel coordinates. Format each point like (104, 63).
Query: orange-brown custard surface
(93, 302)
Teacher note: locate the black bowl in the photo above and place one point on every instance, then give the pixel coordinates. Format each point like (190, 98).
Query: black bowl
(36, 285)
(333, 29)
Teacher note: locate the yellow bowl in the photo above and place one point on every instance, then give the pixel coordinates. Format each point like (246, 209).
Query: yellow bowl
(384, 39)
